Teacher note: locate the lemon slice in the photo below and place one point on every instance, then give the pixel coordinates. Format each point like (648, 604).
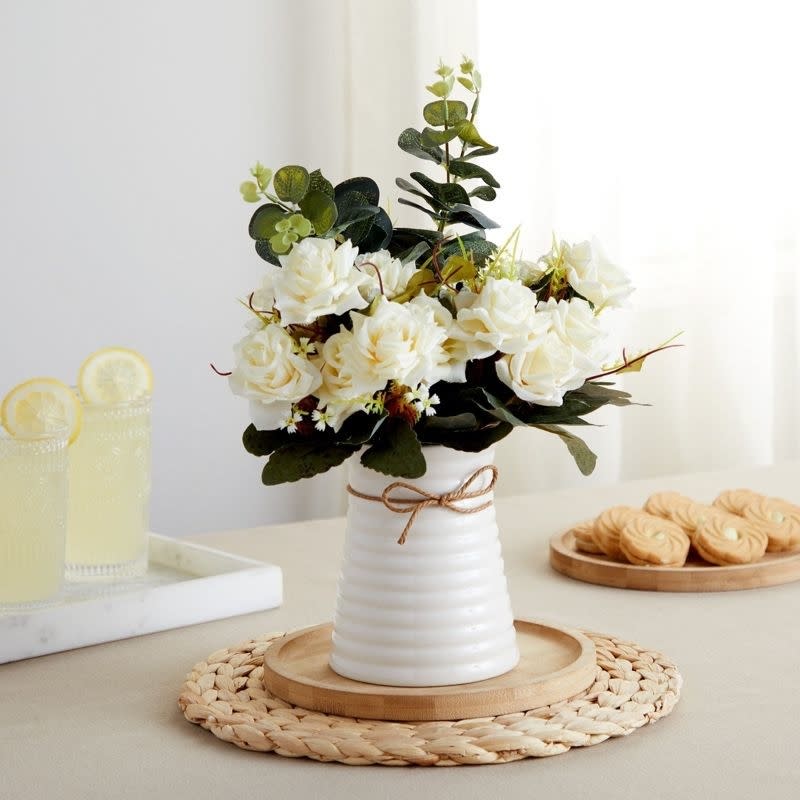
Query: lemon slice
(115, 375)
(41, 406)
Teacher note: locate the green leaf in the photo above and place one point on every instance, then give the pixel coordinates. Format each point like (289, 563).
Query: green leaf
(432, 214)
(320, 209)
(379, 234)
(319, 183)
(303, 460)
(410, 142)
(261, 174)
(468, 133)
(359, 428)
(434, 112)
(409, 187)
(266, 252)
(603, 393)
(466, 169)
(262, 443)
(431, 137)
(466, 83)
(364, 186)
(471, 216)
(440, 88)
(472, 441)
(397, 451)
(291, 183)
(474, 243)
(264, 219)
(444, 193)
(483, 193)
(249, 192)
(480, 151)
(578, 449)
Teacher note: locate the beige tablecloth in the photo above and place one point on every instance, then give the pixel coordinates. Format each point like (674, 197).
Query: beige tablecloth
(102, 722)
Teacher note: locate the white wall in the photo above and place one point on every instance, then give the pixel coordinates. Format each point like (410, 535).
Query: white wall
(126, 129)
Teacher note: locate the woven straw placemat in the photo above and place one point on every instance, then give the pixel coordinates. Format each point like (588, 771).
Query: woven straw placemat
(225, 694)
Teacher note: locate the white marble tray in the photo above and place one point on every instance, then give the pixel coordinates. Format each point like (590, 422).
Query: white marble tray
(185, 584)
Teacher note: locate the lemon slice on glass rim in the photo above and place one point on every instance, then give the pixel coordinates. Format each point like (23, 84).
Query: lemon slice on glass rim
(39, 407)
(115, 375)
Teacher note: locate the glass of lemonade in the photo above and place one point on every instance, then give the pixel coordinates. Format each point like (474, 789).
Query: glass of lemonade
(33, 518)
(109, 494)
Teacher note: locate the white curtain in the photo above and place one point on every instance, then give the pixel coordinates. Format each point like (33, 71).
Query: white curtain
(670, 134)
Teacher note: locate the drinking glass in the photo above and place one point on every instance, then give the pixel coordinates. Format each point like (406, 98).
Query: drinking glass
(109, 494)
(33, 519)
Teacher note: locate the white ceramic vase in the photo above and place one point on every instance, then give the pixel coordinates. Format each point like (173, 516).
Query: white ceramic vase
(435, 610)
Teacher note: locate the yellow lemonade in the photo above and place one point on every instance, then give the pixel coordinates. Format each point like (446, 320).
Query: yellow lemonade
(109, 501)
(33, 518)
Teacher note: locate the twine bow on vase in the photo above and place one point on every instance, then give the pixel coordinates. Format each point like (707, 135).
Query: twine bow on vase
(425, 499)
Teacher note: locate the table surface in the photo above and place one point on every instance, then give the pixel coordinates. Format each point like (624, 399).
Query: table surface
(102, 722)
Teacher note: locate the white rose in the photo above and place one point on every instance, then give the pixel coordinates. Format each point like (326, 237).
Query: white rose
(397, 342)
(502, 317)
(576, 325)
(542, 374)
(336, 393)
(529, 272)
(386, 275)
(593, 276)
(272, 375)
(448, 361)
(317, 278)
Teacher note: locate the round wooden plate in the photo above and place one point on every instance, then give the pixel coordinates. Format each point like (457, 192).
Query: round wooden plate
(694, 576)
(556, 663)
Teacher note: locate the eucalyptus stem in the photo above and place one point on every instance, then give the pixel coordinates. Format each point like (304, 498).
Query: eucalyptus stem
(472, 114)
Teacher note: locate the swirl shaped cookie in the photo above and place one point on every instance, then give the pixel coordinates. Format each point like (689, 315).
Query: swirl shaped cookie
(734, 500)
(777, 519)
(648, 540)
(664, 504)
(691, 515)
(584, 538)
(725, 539)
(608, 527)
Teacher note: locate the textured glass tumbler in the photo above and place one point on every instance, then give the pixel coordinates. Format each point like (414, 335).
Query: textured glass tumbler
(109, 492)
(33, 520)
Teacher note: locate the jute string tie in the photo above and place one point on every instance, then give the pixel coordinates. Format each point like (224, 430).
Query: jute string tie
(448, 500)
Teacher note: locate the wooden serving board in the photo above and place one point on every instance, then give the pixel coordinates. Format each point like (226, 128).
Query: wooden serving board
(556, 663)
(694, 576)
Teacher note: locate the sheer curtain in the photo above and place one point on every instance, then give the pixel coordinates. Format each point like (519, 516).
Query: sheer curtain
(673, 136)
(670, 135)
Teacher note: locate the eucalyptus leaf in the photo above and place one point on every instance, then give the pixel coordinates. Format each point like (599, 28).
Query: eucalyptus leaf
(249, 192)
(430, 137)
(443, 193)
(466, 169)
(262, 223)
(483, 193)
(578, 449)
(319, 183)
(320, 210)
(266, 252)
(359, 428)
(434, 113)
(474, 243)
(299, 460)
(468, 133)
(479, 152)
(466, 83)
(379, 235)
(396, 452)
(471, 441)
(471, 216)
(365, 186)
(410, 142)
(432, 214)
(291, 183)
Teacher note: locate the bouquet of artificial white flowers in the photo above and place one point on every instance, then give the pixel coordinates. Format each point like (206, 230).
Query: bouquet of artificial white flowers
(363, 335)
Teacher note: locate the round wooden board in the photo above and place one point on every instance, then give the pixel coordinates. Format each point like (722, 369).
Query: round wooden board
(556, 663)
(694, 576)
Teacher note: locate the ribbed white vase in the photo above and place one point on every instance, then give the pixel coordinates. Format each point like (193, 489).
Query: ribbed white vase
(435, 610)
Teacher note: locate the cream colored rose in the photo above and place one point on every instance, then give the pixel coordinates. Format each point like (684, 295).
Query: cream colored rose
(386, 275)
(397, 342)
(577, 325)
(318, 278)
(336, 394)
(543, 373)
(447, 362)
(271, 375)
(501, 318)
(593, 276)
